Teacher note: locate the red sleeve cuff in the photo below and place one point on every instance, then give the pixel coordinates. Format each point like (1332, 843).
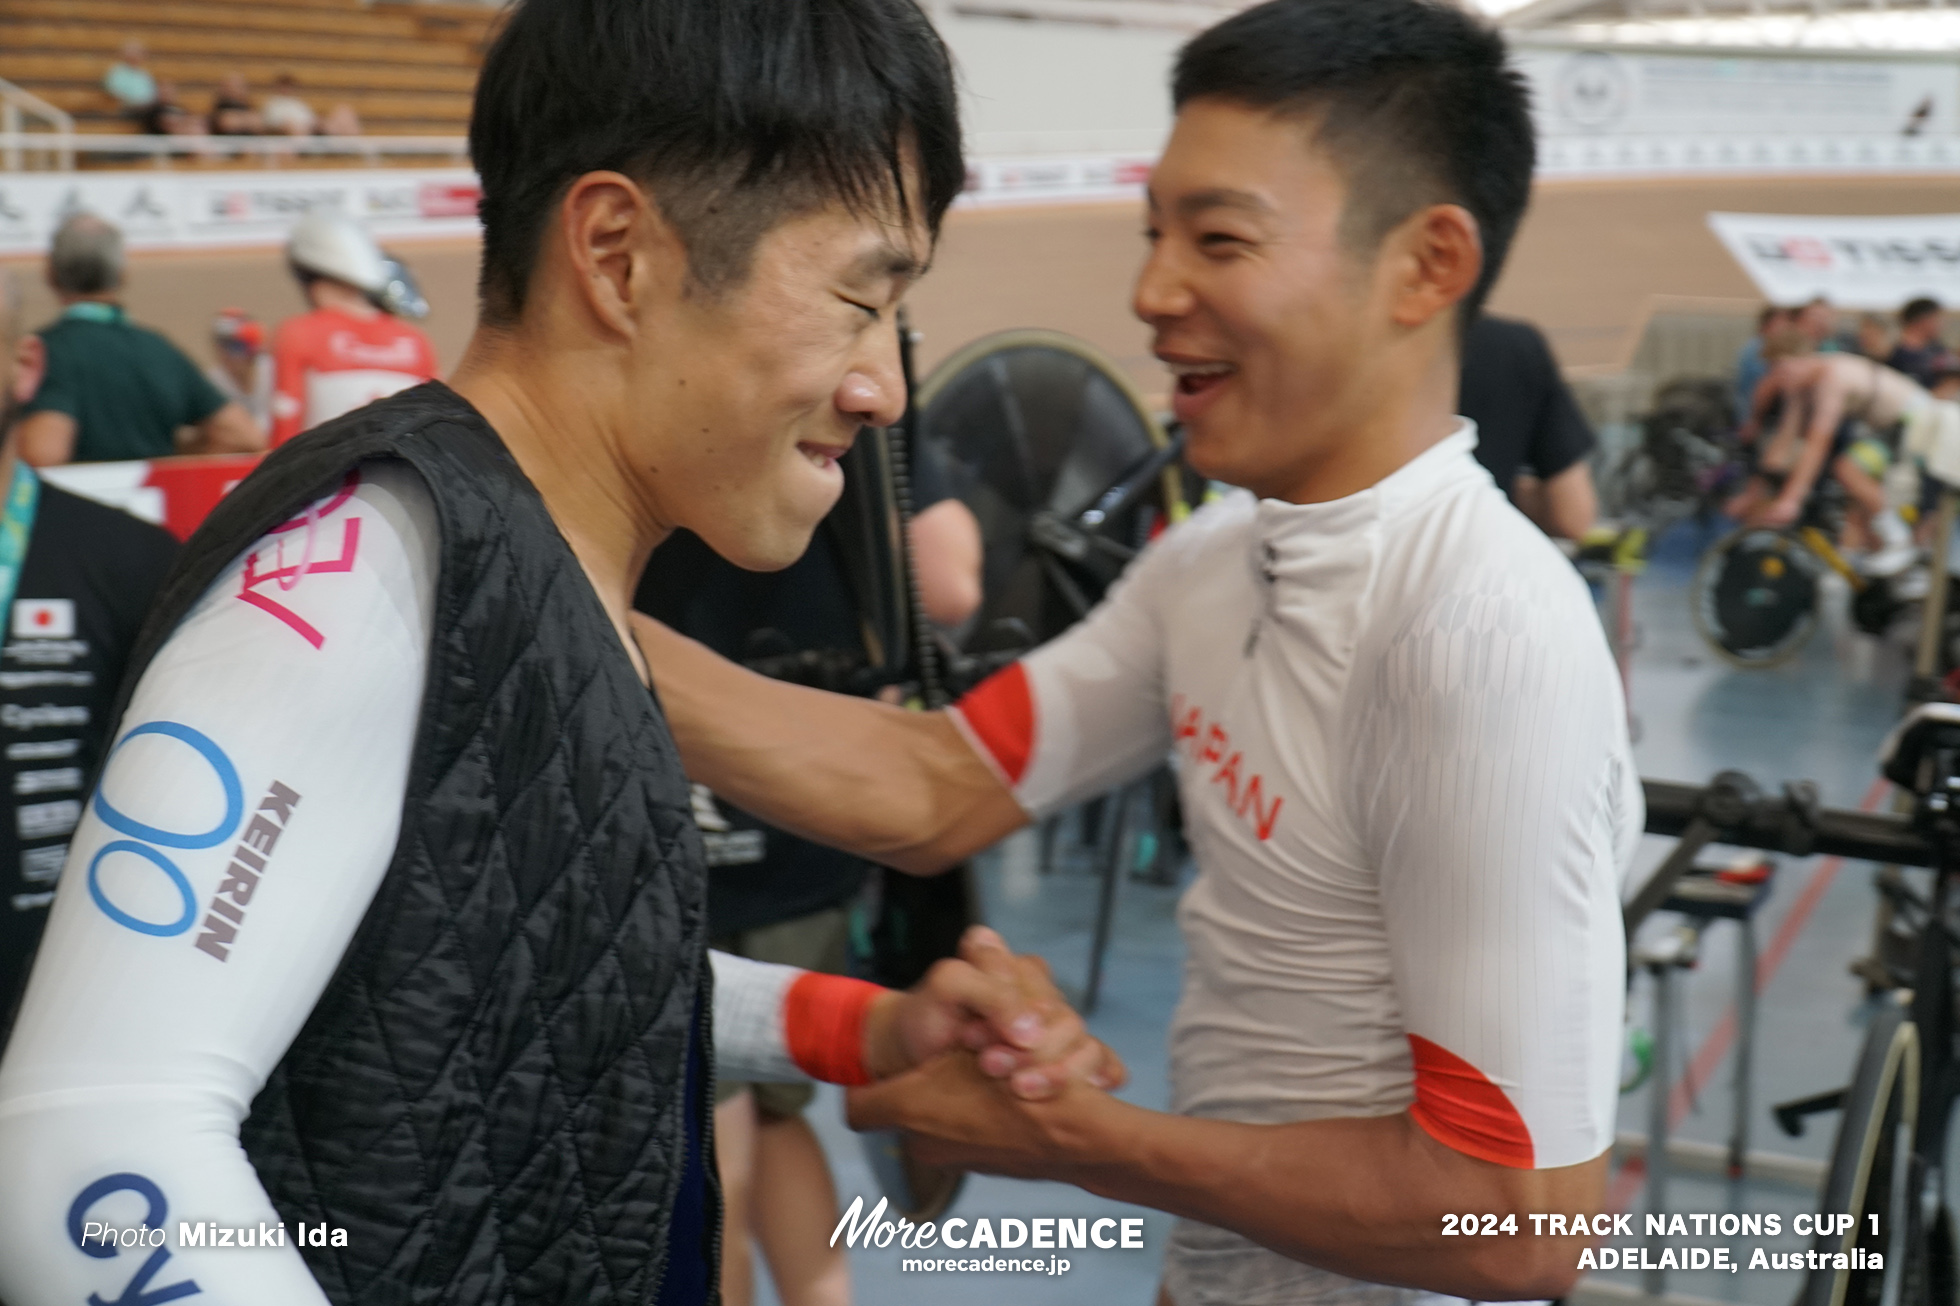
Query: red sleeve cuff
(823, 1023)
(1460, 1108)
(999, 712)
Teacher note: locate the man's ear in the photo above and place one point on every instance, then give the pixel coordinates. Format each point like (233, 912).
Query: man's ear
(1441, 255)
(621, 250)
(30, 367)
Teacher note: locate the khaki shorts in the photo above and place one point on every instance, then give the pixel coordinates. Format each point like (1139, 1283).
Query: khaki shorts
(819, 941)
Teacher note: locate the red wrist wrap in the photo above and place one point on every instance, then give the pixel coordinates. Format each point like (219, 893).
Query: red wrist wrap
(823, 1023)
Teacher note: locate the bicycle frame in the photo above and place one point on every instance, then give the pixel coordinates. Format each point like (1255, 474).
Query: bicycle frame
(1916, 1044)
(1820, 544)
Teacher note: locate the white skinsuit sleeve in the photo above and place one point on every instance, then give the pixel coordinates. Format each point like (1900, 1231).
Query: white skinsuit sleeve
(751, 1046)
(242, 825)
(1500, 801)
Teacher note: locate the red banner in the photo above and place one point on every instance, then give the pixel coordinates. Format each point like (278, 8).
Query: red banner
(175, 493)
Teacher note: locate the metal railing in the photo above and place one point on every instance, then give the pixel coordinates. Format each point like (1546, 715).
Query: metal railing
(162, 151)
(17, 107)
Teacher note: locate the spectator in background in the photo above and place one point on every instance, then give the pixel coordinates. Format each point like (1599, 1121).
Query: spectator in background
(1531, 436)
(1921, 354)
(1874, 338)
(232, 113)
(341, 120)
(71, 604)
(284, 113)
(1946, 384)
(350, 350)
(167, 115)
(243, 372)
(1750, 365)
(130, 84)
(113, 389)
(1816, 322)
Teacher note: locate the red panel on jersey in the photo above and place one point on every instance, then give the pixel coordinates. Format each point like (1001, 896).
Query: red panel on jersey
(823, 1023)
(1000, 712)
(1461, 1109)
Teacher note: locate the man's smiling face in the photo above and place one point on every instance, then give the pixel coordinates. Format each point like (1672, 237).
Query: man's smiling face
(1262, 308)
(769, 382)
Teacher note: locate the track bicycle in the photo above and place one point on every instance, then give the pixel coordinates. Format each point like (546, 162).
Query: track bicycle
(1887, 1164)
(1683, 462)
(1754, 596)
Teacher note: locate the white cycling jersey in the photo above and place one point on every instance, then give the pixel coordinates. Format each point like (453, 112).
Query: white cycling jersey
(1401, 748)
(245, 819)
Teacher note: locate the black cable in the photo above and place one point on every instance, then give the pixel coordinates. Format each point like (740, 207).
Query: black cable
(925, 640)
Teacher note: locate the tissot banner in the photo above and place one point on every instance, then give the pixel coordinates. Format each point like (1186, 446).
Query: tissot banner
(1860, 263)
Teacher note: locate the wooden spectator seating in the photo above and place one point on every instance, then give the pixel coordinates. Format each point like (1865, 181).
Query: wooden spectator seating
(408, 69)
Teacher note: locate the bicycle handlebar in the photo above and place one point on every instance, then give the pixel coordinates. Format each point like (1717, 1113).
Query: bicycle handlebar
(1787, 823)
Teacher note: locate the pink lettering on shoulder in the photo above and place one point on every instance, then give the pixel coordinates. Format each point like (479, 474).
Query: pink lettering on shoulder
(256, 587)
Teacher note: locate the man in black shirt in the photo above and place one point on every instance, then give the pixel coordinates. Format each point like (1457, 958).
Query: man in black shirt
(1921, 354)
(778, 898)
(1531, 435)
(73, 609)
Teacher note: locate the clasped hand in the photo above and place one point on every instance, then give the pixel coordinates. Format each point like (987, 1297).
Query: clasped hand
(981, 1061)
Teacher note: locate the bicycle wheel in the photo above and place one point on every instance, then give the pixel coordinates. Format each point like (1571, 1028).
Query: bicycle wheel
(1036, 425)
(1875, 1177)
(1754, 597)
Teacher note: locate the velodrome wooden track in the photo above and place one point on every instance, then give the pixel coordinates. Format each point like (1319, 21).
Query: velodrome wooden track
(1588, 262)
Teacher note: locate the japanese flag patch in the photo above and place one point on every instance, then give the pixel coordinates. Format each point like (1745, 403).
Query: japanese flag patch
(44, 619)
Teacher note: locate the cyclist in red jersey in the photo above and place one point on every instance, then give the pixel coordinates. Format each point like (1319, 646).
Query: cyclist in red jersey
(353, 348)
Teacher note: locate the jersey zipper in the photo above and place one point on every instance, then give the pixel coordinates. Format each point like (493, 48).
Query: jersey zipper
(1268, 576)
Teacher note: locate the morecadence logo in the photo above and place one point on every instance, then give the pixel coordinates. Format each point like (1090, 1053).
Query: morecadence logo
(1034, 1233)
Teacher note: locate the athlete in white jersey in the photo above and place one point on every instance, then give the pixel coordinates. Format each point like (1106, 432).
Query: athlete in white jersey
(245, 819)
(1404, 772)
(1399, 737)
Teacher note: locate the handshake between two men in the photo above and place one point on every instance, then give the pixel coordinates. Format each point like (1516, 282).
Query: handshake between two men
(968, 1055)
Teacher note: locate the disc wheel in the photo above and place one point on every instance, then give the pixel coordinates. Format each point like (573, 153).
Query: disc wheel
(1036, 427)
(1754, 597)
(1875, 1177)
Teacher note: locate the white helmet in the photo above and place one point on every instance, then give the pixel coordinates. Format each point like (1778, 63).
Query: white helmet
(333, 245)
(330, 244)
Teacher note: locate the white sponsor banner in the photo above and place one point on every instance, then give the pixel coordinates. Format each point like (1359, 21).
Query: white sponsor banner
(158, 209)
(1861, 263)
(1605, 92)
(1055, 178)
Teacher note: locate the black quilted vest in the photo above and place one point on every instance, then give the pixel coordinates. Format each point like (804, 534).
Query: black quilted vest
(489, 1096)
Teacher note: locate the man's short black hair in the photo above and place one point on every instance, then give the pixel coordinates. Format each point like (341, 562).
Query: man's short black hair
(1916, 309)
(1413, 99)
(736, 114)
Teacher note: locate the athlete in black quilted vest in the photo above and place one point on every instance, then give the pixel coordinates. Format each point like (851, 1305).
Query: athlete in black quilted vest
(377, 972)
